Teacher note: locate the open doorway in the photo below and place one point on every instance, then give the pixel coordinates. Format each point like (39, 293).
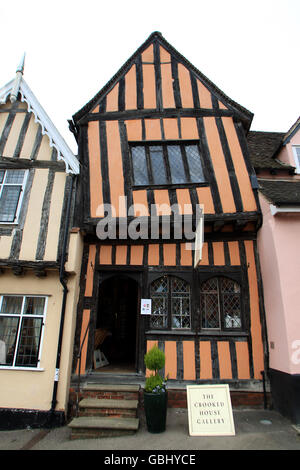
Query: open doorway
(116, 328)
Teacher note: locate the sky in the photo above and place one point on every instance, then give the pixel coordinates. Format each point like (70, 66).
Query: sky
(250, 50)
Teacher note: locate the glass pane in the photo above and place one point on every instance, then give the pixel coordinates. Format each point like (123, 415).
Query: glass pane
(9, 203)
(231, 303)
(34, 306)
(194, 162)
(181, 312)
(140, 173)
(28, 349)
(159, 314)
(160, 285)
(158, 165)
(15, 176)
(210, 304)
(8, 335)
(11, 304)
(176, 164)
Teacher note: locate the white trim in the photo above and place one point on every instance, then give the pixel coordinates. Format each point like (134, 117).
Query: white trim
(56, 140)
(283, 210)
(296, 157)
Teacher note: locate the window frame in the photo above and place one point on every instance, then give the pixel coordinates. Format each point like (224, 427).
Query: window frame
(164, 144)
(234, 277)
(296, 157)
(22, 316)
(169, 327)
(20, 201)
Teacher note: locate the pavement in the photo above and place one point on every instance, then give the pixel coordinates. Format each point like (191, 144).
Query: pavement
(255, 429)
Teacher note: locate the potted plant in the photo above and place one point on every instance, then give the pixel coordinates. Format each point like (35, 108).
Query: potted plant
(155, 393)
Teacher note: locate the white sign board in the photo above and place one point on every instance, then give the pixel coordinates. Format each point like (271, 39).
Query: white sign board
(209, 410)
(199, 240)
(145, 306)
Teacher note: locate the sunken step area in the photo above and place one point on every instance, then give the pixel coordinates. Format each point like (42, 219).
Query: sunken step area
(106, 410)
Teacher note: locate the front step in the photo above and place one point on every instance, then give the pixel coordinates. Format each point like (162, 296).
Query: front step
(106, 410)
(108, 407)
(95, 427)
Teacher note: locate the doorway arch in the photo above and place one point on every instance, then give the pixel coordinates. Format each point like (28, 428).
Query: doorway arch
(117, 317)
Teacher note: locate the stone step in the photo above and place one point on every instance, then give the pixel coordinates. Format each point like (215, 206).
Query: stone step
(111, 391)
(95, 427)
(108, 407)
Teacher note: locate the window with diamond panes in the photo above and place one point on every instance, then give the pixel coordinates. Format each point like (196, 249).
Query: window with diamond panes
(171, 299)
(221, 304)
(165, 164)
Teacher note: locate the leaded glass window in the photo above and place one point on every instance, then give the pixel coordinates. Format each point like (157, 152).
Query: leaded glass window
(166, 163)
(171, 303)
(21, 324)
(221, 304)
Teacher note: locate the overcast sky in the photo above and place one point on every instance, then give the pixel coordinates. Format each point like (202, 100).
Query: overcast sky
(249, 49)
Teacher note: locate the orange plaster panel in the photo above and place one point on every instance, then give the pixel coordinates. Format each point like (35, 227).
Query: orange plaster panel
(186, 256)
(153, 255)
(136, 254)
(169, 251)
(150, 345)
(205, 198)
(112, 99)
(185, 87)
(218, 251)
(105, 254)
(140, 203)
(205, 360)
(204, 260)
(149, 86)
(189, 372)
(256, 333)
(96, 195)
(167, 86)
(164, 55)
(184, 201)
(90, 271)
(162, 201)
(224, 360)
(171, 128)
(171, 359)
(147, 55)
(242, 360)
(204, 96)
(189, 128)
(153, 130)
(85, 322)
(242, 175)
(130, 89)
(121, 254)
(234, 253)
(134, 129)
(221, 105)
(219, 164)
(115, 165)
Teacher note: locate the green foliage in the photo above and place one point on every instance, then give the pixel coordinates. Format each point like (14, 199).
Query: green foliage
(154, 383)
(154, 359)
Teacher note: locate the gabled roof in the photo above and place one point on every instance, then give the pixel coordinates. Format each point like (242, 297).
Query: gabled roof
(245, 115)
(263, 148)
(291, 132)
(56, 140)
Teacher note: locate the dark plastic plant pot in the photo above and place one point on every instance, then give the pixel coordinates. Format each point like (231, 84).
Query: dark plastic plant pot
(155, 405)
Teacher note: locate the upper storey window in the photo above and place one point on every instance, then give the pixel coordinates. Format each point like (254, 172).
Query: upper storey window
(296, 150)
(165, 164)
(11, 185)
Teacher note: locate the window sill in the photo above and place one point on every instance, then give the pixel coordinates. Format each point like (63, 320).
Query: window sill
(136, 187)
(32, 369)
(199, 334)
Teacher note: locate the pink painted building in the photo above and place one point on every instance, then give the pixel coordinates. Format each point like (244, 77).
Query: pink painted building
(276, 159)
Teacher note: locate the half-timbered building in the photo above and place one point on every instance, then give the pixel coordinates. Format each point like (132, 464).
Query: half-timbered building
(157, 142)
(38, 261)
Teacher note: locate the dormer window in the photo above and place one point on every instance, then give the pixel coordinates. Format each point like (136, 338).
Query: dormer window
(12, 183)
(296, 150)
(156, 164)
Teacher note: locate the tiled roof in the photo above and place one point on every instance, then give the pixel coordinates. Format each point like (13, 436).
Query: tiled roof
(280, 193)
(262, 148)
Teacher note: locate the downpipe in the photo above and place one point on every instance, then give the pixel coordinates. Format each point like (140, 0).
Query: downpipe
(52, 420)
